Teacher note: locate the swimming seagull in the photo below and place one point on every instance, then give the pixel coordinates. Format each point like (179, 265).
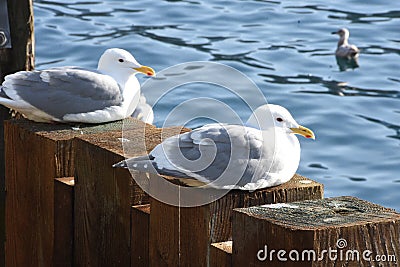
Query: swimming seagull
(263, 153)
(77, 95)
(344, 49)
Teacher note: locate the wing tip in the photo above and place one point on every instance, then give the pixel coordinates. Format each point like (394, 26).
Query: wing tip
(121, 164)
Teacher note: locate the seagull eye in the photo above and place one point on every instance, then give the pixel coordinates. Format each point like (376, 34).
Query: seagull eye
(279, 119)
(121, 60)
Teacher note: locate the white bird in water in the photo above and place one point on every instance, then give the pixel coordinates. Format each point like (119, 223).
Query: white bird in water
(344, 49)
(263, 153)
(77, 95)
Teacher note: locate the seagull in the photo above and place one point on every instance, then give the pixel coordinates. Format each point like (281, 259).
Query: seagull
(344, 49)
(77, 95)
(262, 153)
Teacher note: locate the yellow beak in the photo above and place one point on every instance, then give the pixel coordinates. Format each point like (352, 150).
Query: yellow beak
(307, 133)
(146, 70)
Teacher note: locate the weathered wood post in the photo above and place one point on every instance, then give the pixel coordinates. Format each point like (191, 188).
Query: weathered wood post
(103, 200)
(36, 153)
(104, 195)
(340, 231)
(16, 53)
(182, 236)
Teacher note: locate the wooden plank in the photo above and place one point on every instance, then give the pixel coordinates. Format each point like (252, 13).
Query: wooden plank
(102, 207)
(36, 153)
(104, 195)
(183, 235)
(221, 254)
(29, 200)
(63, 221)
(140, 224)
(20, 57)
(327, 232)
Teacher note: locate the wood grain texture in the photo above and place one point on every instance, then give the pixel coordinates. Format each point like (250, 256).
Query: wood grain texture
(36, 153)
(102, 208)
(182, 236)
(140, 224)
(316, 225)
(104, 195)
(63, 221)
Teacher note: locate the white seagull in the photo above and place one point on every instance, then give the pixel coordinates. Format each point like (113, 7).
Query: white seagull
(263, 153)
(77, 95)
(344, 49)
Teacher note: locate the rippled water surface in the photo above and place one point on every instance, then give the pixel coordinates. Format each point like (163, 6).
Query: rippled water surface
(285, 47)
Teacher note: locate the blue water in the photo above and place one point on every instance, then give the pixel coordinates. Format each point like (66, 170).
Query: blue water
(285, 47)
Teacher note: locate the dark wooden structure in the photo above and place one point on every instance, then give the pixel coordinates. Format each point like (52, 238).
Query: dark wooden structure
(39, 207)
(100, 200)
(183, 236)
(67, 206)
(37, 153)
(341, 231)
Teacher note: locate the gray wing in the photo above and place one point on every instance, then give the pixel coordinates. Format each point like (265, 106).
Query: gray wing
(66, 90)
(209, 153)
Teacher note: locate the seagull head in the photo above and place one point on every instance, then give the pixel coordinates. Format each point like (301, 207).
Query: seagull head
(343, 33)
(116, 60)
(269, 115)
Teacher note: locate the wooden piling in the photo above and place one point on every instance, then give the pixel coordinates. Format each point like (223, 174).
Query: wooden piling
(182, 236)
(36, 153)
(104, 195)
(102, 210)
(31, 167)
(337, 231)
(63, 222)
